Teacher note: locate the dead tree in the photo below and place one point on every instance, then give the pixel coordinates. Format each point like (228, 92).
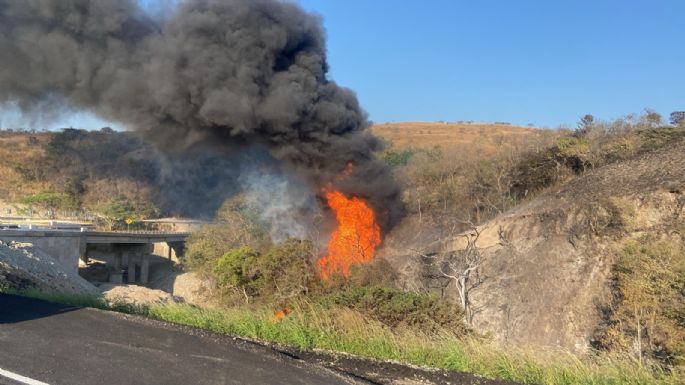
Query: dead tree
(463, 268)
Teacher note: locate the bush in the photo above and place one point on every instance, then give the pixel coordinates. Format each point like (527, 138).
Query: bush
(236, 225)
(395, 308)
(238, 269)
(284, 271)
(288, 269)
(51, 201)
(396, 158)
(116, 210)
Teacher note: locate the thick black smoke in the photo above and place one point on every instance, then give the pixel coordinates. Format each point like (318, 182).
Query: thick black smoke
(231, 73)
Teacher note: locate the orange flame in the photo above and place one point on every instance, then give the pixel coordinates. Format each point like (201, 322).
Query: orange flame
(356, 238)
(279, 314)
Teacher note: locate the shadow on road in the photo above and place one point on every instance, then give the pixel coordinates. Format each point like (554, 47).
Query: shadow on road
(18, 309)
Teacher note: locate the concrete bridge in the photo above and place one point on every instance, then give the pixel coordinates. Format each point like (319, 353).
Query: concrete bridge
(130, 248)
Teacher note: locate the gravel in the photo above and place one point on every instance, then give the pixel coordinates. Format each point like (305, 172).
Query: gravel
(24, 266)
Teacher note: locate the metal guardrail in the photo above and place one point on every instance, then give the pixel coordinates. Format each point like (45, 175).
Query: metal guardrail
(96, 232)
(138, 232)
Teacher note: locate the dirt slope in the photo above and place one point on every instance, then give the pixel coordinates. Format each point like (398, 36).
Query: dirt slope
(548, 262)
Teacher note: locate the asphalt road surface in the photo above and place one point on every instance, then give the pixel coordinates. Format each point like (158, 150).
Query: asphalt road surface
(46, 343)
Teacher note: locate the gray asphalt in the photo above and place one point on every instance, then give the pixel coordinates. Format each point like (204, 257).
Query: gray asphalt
(59, 344)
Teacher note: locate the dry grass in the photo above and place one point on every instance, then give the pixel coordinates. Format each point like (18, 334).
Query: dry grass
(17, 149)
(426, 135)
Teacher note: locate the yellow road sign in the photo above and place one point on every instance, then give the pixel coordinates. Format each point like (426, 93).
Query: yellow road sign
(128, 221)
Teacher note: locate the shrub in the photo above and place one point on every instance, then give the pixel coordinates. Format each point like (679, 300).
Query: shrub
(51, 201)
(377, 273)
(238, 269)
(236, 225)
(395, 308)
(288, 269)
(396, 158)
(282, 272)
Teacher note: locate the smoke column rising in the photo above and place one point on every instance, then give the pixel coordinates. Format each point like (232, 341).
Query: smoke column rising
(232, 73)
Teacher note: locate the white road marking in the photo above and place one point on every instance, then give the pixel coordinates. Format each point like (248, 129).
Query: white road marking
(20, 378)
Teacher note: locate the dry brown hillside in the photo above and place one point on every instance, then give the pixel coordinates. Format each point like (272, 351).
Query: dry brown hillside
(18, 152)
(431, 134)
(550, 273)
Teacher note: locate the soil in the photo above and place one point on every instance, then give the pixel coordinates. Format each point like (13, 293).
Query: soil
(132, 294)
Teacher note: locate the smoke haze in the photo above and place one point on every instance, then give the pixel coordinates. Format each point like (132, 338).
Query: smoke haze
(227, 74)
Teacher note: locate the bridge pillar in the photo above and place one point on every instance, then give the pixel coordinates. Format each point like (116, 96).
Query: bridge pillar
(131, 268)
(118, 260)
(145, 269)
(83, 249)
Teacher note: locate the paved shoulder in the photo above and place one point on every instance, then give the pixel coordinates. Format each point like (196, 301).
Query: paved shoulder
(58, 344)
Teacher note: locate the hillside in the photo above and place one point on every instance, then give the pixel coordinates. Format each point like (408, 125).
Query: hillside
(19, 152)
(561, 270)
(427, 135)
(109, 174)
(105, 171)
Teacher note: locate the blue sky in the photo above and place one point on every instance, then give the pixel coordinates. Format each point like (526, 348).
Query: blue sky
(524, 61)
(545, 62)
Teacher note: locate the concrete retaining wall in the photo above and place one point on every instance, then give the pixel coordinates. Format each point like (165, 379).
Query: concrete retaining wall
(66, 247)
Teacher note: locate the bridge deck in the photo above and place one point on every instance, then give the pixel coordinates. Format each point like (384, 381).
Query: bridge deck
(101, 236)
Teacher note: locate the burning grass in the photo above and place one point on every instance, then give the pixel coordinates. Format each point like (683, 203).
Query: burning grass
(315, 325)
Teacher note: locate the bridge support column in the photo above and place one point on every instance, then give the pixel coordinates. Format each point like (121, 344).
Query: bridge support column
(145, 269)
(83, 249)
(118, 260)
(131, 269)
(116, 275)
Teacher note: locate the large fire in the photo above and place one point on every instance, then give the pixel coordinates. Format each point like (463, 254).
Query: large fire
(356, 238)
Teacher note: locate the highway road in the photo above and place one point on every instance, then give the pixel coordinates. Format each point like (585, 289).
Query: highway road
(46, 343)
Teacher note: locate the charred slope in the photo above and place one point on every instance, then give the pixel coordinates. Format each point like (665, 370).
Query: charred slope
(548, 265)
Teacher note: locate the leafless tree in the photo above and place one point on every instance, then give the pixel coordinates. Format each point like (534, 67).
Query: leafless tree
(461, 267)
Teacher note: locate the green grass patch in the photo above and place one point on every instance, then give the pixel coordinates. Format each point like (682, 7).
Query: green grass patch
(312, 325)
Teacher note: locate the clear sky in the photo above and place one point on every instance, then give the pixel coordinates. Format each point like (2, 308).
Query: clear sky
(545, 62)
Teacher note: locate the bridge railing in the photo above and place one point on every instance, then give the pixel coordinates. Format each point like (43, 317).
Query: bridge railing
(139, 232)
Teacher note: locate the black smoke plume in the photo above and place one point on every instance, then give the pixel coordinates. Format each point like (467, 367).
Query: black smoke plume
(225, 73)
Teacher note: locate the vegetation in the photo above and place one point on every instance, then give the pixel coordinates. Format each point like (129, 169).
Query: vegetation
(647, 317)
(272, 291)
(479, 184)
(285, 271)
(51, 202)
(311, 325)
(236, 225)
(108, 172)
(117, 210)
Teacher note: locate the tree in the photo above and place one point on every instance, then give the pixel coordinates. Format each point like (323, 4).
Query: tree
(116, 210)
(651, 118)
(585, 125)
(51, 201)
(462, 267)
(677, 118)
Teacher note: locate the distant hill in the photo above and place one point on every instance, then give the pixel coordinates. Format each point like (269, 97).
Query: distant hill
(425, 135)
